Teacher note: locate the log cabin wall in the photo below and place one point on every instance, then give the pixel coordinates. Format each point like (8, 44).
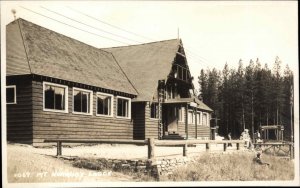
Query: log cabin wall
(47, 125)
(138, 117)
(203, 132)
(19, 115)
(151, 124)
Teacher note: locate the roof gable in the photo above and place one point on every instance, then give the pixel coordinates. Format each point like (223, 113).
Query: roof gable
(145, 64)
(55, 55)
(16, 57)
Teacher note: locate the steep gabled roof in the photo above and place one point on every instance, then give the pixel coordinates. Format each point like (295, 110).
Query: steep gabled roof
(32, 49)
(145, 64)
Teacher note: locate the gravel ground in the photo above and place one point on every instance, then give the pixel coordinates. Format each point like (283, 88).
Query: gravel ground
(28, 164)
(32, 162)
(116, 151)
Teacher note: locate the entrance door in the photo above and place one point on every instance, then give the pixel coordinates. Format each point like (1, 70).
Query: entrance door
(172, 119)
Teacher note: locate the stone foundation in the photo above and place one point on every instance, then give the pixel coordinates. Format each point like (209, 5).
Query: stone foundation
(155, 168)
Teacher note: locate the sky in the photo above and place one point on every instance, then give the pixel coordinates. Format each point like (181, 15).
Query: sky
(212, 32)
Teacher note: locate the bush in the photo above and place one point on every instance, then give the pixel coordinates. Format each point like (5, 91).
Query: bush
(234, 167)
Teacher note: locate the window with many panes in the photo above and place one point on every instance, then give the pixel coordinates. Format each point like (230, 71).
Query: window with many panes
(191, 117)
(55, 97)
(11, 97)
(154, 111)
(204, 119)
(123, 107)
(82, 101)
(198, 118)
(181, 114)
(104, 104)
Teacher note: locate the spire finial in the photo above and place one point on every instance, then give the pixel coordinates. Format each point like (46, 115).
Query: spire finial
(14, 13)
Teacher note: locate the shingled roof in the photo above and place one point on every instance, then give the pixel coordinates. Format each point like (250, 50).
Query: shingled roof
(32, 49)
(145, 64)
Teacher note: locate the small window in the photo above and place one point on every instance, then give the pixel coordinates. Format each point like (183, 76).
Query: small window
(123, 107)
(11, 97)
(104, 104)
(204, 121)
(191, 116)
(55, 97)
(198, 118)
(181, 114)
(82, 101)
(154, 110)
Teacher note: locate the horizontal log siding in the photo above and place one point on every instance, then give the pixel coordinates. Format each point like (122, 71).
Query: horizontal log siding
(19, 116)
(51, 125)
(138, 117)
(151, 124)
(202, 131)
(181, 124)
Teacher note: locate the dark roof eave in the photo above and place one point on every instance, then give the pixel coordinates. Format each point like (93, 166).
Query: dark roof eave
(47, 78)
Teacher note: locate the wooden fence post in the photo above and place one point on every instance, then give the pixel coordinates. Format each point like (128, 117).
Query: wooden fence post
(207, 146)
(224, 146)
(237, 146)
(185, 150)
(151, 146)
(59, 148)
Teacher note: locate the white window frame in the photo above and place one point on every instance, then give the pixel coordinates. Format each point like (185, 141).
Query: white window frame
(181, 113)
(193, 115)
(208, 119)
(155, 113)
(15, 93)
(111, 105)
(90, 106)
(66, 110)
(206, 124)
(129, 107)
(199, 119)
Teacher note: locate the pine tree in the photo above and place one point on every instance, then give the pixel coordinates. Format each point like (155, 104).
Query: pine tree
(240, 92)
(249, 96)
(202, 80)
(224, 100)
(278, 92)
(288, 107)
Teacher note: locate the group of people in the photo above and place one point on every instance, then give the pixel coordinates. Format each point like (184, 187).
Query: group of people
(246, 137)
(248, 143)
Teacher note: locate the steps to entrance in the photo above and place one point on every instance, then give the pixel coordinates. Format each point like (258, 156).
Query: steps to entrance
(173, 137)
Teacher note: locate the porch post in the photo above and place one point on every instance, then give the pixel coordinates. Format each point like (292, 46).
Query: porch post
(161, 86)
(196, 135)
(186, 121)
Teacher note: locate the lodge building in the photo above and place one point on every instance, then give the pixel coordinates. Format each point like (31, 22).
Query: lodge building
(58, 87)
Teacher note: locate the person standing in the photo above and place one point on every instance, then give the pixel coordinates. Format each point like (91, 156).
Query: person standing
(229, 138)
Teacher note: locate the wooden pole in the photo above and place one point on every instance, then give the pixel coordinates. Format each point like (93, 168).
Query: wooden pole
(186, 122)
(290, 148)
(185, 150)
(237, 146)
(59, 149)
(224, 146)
(151, 147)
(196, 123)
(292, 131)
(207, 146)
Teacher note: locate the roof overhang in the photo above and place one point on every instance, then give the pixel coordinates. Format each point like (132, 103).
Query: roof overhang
(272, 127)
(192, 102)
(179, 101)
